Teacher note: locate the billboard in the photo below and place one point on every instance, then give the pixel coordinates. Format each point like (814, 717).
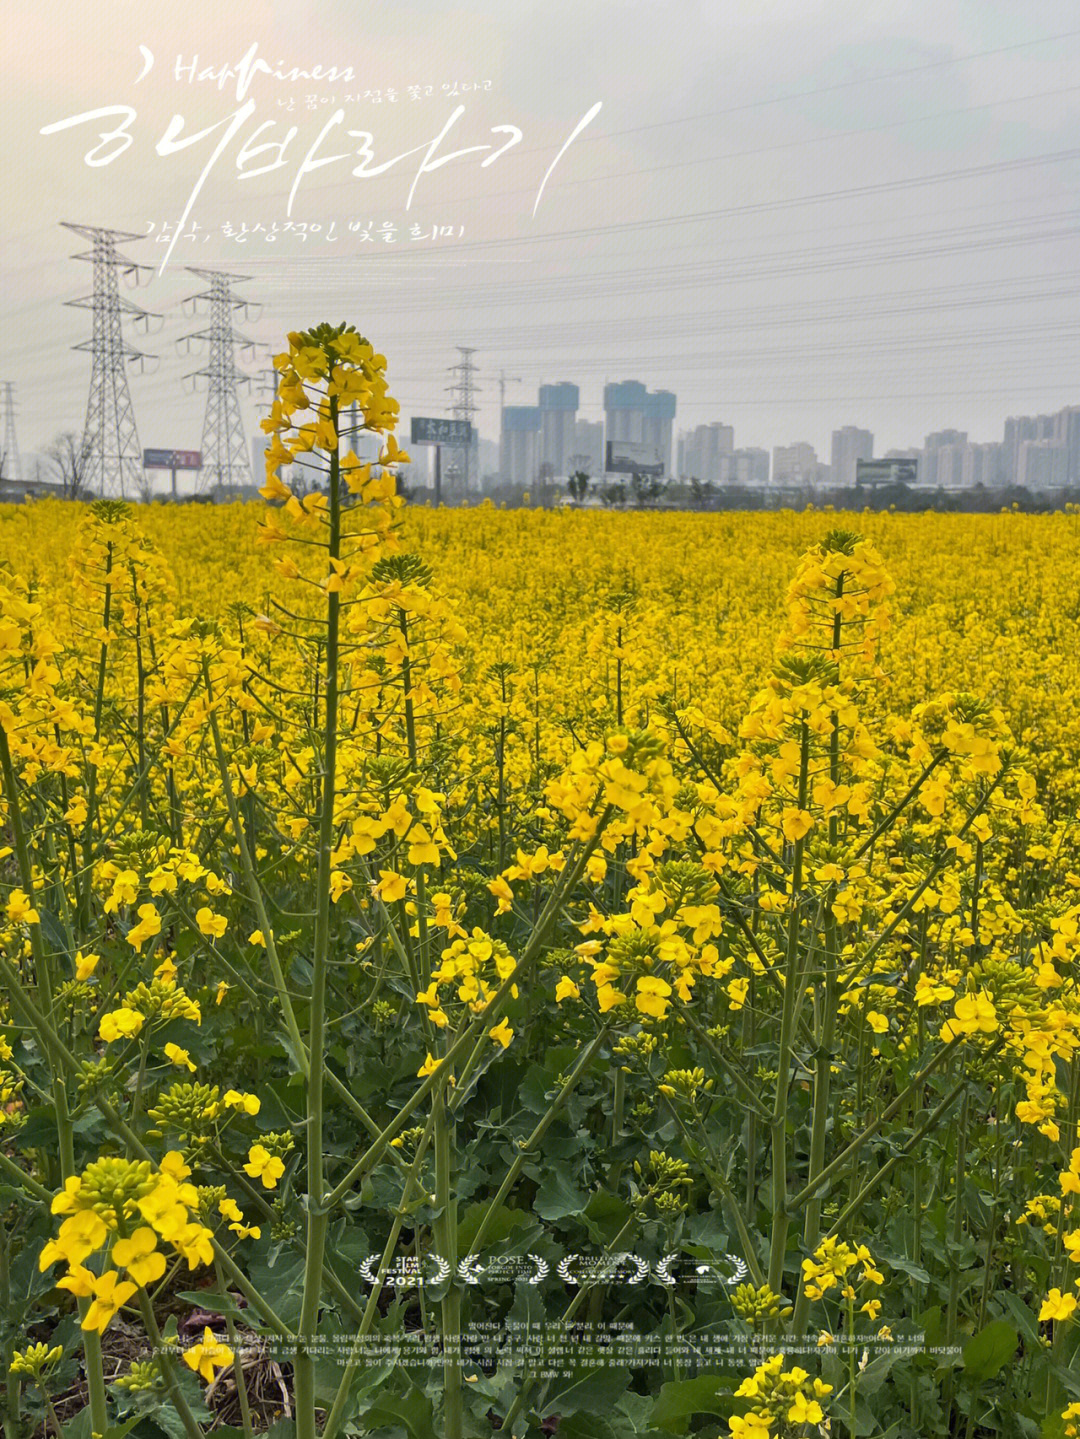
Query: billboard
(886, 472)
(628, 457)
(428, 431)
(172, 459)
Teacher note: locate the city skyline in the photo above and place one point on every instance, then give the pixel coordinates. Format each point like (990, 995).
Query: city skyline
(795, 221)
(553, 438)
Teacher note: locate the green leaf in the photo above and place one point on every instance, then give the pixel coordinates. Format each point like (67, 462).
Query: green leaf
(534, 1089)
(1025, 1319)
(53, 931)
(589, 1389)
(605, 1214)
(215, 1303)
(933, 1326)
(117, 1431)
(413, 1411)
(558, 1196)
(877, 1371)
(908, 1266)
(990, 1350)
(680, 1399)
(283, 1429)
(1053, 1427)
(79, 1427)
(39, 1130)
(586, 1426)
(633, 1410)
(503, 1222)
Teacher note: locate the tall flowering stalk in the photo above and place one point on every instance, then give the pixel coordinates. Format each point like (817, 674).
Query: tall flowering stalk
(325, 372)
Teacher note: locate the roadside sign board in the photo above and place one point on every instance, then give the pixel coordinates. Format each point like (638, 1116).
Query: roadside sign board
(886, 472)
(628, 457)
(172, 459)
(431, 431)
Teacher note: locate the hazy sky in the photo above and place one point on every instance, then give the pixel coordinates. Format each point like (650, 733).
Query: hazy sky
(796, 215)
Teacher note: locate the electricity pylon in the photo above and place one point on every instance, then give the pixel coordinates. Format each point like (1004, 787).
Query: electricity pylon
(226, 461)
(465, 406)
(10, 468)
(111, 440)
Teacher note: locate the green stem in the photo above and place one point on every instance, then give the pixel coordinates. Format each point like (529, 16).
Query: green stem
(318, 1217)
(446, 1240)
(238, 1358)
(778, 1123)
(819, 1126)
(336, 1417)
(167, 1364)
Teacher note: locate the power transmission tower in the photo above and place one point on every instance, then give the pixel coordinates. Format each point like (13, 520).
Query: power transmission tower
(226, 461)
(110, 437)
(10, 468)
(465, 405)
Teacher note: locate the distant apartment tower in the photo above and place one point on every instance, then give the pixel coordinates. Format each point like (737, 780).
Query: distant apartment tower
(1067, 433)
(519, 450)
(794, 464)
(943, 458)
(749, 466)
(624, 411)
(659, 422)
(589, 446)
(633, 413)
(703, 452)
(982, 465)
(1042, 465)
(558, 412)
(1019, 428)
(848, 446)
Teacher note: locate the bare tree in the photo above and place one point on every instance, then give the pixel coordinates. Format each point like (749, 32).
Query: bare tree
(69, 456)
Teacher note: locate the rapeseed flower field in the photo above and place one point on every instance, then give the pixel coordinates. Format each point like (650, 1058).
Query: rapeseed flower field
(471, 972)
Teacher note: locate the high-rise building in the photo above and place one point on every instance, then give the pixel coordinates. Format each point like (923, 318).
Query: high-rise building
(558, 412)
(1067, 433)
(1019, 428)
(642, 417)
(624, 411)
(519, 454)
(948, 465)
(981, 465)
(703, 452)
(794, 464)
(1042, 465)
(750, 466)
(942, 458)
(848, 446)
(657, 424)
